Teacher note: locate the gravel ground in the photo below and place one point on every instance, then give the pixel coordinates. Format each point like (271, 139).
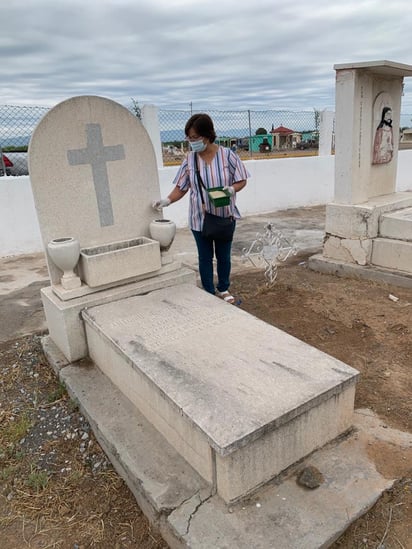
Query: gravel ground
(57, 488)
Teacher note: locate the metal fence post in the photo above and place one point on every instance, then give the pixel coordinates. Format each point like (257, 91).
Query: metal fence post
(250, 134)
(2, 164)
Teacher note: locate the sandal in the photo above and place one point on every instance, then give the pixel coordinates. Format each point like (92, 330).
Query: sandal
(226, 296)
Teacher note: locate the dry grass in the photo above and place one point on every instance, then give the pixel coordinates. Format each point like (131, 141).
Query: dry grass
(51, 493)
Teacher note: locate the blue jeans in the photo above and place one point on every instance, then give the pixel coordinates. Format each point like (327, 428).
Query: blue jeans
(205, 250)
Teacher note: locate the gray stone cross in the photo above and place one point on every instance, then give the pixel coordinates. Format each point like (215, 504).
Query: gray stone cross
(96, 154)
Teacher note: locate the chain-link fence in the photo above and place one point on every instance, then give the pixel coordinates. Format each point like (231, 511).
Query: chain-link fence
(253, 134)
(16, 126)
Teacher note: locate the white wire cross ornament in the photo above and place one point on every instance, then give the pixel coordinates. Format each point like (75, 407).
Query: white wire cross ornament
(267, 251)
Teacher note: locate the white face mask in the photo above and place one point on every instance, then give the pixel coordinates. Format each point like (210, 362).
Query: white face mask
(198, 146)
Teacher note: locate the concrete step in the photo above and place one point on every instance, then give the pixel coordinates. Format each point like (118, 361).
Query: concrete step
(396, 225)
(239, 399)
(180, 503)
(392, 254)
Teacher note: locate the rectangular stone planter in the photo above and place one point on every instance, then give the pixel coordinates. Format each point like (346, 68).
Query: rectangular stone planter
(117, 261)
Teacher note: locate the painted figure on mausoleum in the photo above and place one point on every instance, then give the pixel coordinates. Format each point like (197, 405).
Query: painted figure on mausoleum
(383, 142)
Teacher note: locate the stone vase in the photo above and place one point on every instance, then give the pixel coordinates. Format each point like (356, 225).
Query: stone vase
(65, 253)
(164, 231)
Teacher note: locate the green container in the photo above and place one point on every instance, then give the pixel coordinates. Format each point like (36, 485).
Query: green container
(222, 197)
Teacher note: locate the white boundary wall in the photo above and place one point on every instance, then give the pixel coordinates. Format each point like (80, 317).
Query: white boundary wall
(273, 185)
(276, 184)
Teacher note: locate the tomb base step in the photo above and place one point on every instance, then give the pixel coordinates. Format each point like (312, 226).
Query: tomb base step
(239, 399)
(179, 502)
(396, 225)
(335, 267)
(392, 254)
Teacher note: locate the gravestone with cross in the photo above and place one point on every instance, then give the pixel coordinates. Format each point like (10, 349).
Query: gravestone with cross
(94, 177)
(93, 173)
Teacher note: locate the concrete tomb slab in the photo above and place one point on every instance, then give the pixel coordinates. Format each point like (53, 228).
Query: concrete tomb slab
(239, 399)
(181, 504)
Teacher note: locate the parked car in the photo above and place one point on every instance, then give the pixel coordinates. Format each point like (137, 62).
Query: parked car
(18, 163)
(310, 144)
(243, 144)
(5, 165)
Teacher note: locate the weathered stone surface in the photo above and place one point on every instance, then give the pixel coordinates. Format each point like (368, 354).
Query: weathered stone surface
(392, 254)
(347, 250)
(397, 225)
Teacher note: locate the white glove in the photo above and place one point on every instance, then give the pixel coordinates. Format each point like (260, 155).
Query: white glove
(162, 203)
(229, 189)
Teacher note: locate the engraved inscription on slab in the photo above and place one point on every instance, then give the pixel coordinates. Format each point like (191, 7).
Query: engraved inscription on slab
(159, 327)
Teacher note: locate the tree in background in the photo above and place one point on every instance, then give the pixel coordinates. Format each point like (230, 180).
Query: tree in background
(261, 131)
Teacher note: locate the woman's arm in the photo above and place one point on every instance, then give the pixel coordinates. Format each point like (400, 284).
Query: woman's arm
(239, 185)
(176, 194)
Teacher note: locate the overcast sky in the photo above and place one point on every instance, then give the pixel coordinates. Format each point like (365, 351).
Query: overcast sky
(215, 54)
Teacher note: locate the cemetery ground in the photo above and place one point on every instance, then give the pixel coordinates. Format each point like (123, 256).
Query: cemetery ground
(57, 489)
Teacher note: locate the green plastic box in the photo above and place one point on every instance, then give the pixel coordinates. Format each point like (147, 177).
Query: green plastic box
(220, 200)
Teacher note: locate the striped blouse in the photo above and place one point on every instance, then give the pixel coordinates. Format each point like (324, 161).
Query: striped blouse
(225, 169)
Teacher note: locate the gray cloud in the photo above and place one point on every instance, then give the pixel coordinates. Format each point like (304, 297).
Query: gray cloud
(231, 55)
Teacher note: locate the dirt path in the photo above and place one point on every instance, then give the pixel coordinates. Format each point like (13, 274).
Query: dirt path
(368, 326)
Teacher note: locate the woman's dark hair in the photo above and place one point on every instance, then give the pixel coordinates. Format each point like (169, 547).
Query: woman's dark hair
(203, 126)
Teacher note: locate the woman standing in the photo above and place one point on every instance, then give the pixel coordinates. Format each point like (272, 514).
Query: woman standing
(218, 167)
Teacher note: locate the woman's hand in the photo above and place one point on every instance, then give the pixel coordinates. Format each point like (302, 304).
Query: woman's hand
(230, 189)
(235, 187)
(160, 204)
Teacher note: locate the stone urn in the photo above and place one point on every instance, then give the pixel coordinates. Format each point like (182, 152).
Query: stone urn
(164, 231)
(65, 253)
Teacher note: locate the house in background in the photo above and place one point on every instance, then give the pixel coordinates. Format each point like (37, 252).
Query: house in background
(229, 142)
(311, 135)
(261, 143)
(406, 139)
(285, 138)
